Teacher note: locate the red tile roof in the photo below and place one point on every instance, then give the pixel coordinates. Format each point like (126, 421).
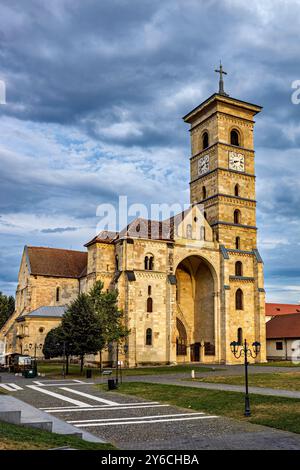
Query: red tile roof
(148, 229)
(143, 228)
(286, 326)
(281, 309)
(56, 262)
(106, 236)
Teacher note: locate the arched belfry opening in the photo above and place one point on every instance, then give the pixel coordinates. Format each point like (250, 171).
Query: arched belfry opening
(195, 310)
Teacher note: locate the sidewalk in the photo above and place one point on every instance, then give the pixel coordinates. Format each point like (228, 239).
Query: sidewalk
(34, 417)
(214, 386)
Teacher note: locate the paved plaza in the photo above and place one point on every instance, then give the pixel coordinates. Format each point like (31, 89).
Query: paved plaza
(133, 423)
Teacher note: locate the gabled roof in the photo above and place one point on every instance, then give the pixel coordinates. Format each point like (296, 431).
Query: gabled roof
(56, 262)
(273, 309)
(106, 236)
(146, 229)
(46, 312)
(285, 326)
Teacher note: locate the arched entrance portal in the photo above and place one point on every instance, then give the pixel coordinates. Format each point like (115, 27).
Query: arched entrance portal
(195, 310)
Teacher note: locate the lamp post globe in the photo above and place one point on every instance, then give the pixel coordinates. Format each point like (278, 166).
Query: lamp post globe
(243, 350)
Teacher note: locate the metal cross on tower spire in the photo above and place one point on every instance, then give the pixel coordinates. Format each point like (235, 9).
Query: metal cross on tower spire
(221, 81)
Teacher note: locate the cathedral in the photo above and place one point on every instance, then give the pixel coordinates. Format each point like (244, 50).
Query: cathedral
(188, 285)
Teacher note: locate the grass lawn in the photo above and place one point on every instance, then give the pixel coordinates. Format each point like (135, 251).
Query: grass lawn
(13, 437)
(55, 370)
(168, 370)
(278, 380)
(277, 364)
(276, 412)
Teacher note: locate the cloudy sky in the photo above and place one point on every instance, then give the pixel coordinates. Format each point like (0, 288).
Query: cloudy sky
(95, 95)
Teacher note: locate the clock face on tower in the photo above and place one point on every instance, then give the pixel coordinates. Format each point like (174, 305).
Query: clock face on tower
(203, 165)
(236, 161)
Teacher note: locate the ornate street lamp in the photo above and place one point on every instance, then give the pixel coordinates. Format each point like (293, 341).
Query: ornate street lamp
(238, 351)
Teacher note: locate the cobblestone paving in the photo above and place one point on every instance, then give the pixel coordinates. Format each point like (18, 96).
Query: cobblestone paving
(132, 423)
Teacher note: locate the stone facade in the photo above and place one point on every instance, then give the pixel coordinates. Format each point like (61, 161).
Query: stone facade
(183, 294)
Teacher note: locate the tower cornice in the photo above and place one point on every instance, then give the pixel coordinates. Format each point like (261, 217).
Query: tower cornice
(214, 100)
(230, 196)
(222, 169)
(219, 142)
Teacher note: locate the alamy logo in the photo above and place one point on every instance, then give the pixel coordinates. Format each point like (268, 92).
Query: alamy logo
(295, 98)
(2, 92)
(157, 222)
(296, 352)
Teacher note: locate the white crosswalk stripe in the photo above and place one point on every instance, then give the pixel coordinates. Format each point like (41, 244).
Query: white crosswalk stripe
(102, 406)
(88, 395)
(16, 387)
(96, 420)
(72, 410)
(142, 421)
(11, 387)
(58, 395)
(42, 384)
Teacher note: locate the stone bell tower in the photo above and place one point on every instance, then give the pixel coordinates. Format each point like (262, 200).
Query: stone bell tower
(222, 167)
(223, 180)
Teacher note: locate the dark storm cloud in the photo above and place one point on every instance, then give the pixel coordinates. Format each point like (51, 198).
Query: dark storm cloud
(95, 95)
(59, 229)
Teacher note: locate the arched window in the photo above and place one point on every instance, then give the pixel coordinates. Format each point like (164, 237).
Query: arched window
(149, 290)
(237, 190)
(148, 337)
(189, 231)
(238, 268)
(235, 138)
(240, 336)
(239, 300)
(57, 294)
(205, 140)
(146, 262)
(117, 263)
(203, 192)
(237, 243)
(237, 216)
(149, 305)
(151, 263)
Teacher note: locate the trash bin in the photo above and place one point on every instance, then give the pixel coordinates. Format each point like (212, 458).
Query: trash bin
(111, 384)
(89, 373)
(29, 373)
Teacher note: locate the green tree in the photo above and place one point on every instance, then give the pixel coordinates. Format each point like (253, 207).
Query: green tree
(81, 327)
(53, 345)
(7, 308)
(56, 345)
(105, 305)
